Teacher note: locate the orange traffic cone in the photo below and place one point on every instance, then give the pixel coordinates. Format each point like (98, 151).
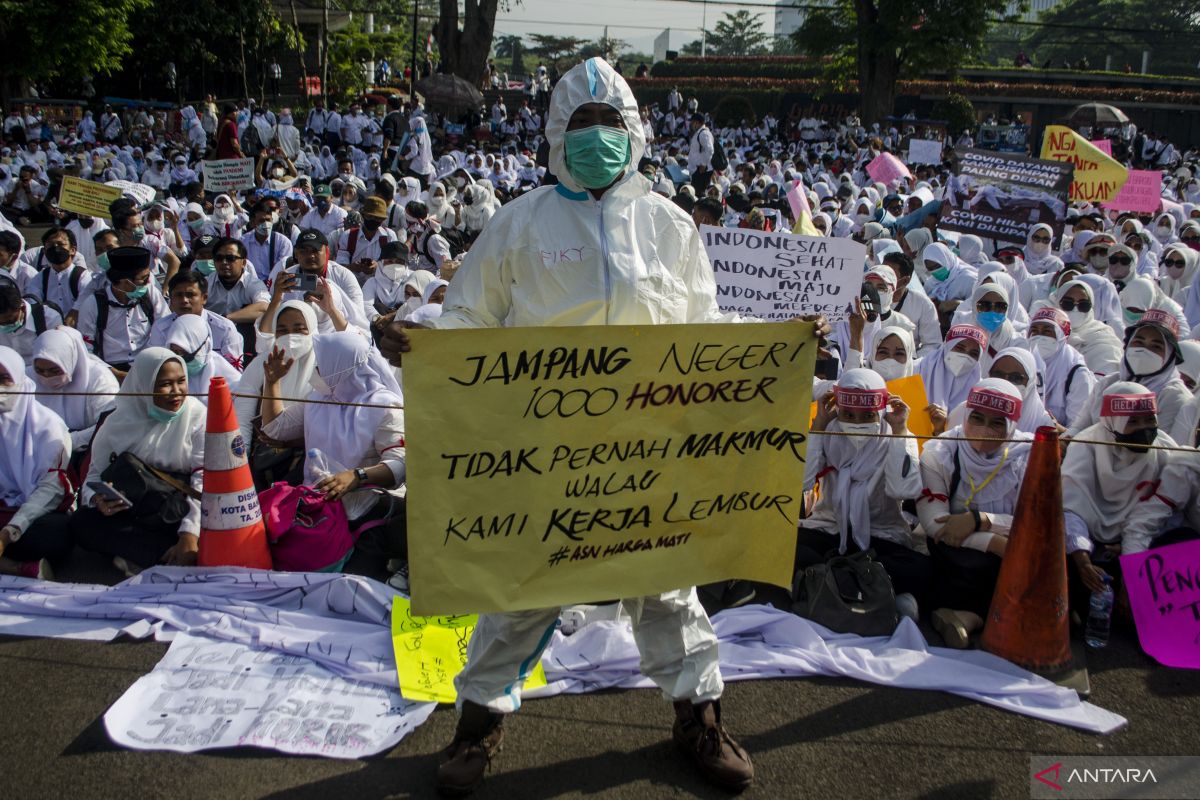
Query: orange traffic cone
(231, 526)
(1028, 623)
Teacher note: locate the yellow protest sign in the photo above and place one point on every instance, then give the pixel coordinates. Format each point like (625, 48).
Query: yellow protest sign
(549, 466)
(86, 197)
(912, 391)
(1098, 177)
(431, 651)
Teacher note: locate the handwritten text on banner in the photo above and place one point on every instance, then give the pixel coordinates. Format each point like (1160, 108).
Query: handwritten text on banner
(1164, 593)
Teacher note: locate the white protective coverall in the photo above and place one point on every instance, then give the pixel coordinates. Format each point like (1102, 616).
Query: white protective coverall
(557, 256)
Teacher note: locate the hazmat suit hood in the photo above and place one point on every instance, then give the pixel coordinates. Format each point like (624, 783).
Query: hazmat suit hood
(593, 81)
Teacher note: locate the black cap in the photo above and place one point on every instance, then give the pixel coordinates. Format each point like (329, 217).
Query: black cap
(311, 237)
(205, 241)
(393, 250)
(697, 117)
(128, 260)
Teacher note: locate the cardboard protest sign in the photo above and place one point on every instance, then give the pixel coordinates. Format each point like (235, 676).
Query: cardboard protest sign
(143, 194)
(1141, 193)
(924, 151)
(1097, 176)
(798, 200)
(1001, 195)
(431, 651)
(86, 197)
(1103, 145)
(779, 276)
(553, 466)
(228, 174)
(1164, 593)
(886, 168)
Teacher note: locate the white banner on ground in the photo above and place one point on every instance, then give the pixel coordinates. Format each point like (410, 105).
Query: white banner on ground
(228, 174)
(207, 693)
(778, 276)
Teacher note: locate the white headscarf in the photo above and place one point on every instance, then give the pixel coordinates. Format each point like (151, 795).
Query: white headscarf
(1059, 365)
(970, 249)
(993, 273)
(295, 384)
(34, 437)
(854, 462)
(419, 280)
(1177, 289)
(942, 386)
(1190, 367)
(1033, 412)
(191, 333)
(64, 348)
(355, 372)
(1044, 262)
(958, 282)
(910, 350)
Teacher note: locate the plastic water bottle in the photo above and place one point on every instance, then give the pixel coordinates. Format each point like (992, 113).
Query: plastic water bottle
(1100, 616)
(316, 467)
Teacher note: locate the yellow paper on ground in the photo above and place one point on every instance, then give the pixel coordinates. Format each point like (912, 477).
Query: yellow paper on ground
(86, 197)
(431, 651)
(912, 391)
(550, 466)
(1098, 176)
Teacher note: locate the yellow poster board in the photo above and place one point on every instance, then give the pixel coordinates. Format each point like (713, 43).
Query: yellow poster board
(1098, 176)
(86, 197)
(431, 651)
(912, 391)
(551, 466)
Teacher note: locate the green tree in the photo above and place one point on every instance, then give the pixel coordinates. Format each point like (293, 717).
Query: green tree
(1120, 28)
(881, 41)
(605, 47)
(738, 33)
(511, 49)
(65, 38)
(556, 49)
(692, 48)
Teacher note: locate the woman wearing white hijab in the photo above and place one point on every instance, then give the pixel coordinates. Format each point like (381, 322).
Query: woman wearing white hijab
(864, 480)
(970, 250)
(1189, 368)
(950, 371)
(414, 292)
(1177, 272)
(226, 221)
(1039, 258)
(967, 505)
(1142, 294)
(950, 278)
(479, 205)
(74, 384)
(33, 460)
(1111, 494)
(1164, 230)
(294, 325)
(159, 423)
(988, 309)
(1067, 382)
(432, 297)
(439, 205)
(993, 272)
(1150, 358)
(383, 293)
(892, 353)
(1094, 340)
(1018, 366)
(190, 338)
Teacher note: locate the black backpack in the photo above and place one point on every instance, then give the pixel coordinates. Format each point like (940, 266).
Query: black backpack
(720, 161)
(102, 318)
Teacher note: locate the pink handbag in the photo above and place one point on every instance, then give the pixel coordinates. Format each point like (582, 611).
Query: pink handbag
(306, 532)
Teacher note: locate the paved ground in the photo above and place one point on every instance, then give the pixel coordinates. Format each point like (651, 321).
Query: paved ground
(818, 738)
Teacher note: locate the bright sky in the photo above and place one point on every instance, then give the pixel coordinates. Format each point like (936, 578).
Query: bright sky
(637, 22)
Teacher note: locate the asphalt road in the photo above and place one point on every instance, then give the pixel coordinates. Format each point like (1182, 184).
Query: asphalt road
(813, 738)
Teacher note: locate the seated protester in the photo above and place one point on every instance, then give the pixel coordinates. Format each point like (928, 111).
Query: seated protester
(1122, 265)
(131, 232)
(425, 237)
(1189, 368)
(37, 257)
(359, 248)
(312, 258)
(864, 480)
(441, 209)
(1106, 302)
(890, 354)
(1019, 367)
(163, 224)
(265, 247)
(325, 216)
(952, 370)
(157, 422)
(62, 281)
(414, 293)
(1095, 340)
(1067, 382)
(967, 504)
(914, 304)
(1142, 294)
(432, 297)
(33, 485)
(1177, 272)
(988, 309)
(195, 226)
(883, 279)
(23, 320)
(478, 207)
(1118, 499)
(363, 444)
(228, 221)
(992, 272)
(192, 340)
(102, 242)
(294, 324)
(383, 292)
(188, 296)
(73, 383)
(1150, 358)
(11, 265)
(200, 259)
(116, 322)
(1039, 257)
(234, 291)
(950, 279)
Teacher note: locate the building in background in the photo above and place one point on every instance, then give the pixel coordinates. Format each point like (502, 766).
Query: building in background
(1036, 7)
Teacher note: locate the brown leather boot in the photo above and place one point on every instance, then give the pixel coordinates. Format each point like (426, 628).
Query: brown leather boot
(476, 740)
(720, 759)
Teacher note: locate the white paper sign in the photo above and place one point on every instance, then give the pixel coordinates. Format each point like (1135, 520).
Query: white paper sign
(227, 174)
(207, 693)
(778, 276)
(138, 191)
(924, 151)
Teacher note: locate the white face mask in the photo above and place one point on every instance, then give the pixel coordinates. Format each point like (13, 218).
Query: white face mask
(889, 368)
(858, 427)
(1163, 232)
(1045, 346)
(318, 383)
(1079, 318)
(54, 382)
(294, 345)
(1099, 262)
(154, 225)
(8, 400)
(1142, 361)
(885, 301)
(959, 363)
(393, 272)
(278, 172)
(223, 212)
(1040, 248)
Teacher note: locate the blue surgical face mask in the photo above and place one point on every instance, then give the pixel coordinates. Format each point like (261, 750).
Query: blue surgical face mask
(162, 415)
(990, 320)
(102, 262)
(138, 293)
(13, 327)
(138, 233)
(941, 274)
(205, 266)
(597, 155)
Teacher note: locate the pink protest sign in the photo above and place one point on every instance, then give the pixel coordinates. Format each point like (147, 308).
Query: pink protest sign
(1164, 592)
(1103, 145)
(1141, 193)
(886, 168)
(798, 200)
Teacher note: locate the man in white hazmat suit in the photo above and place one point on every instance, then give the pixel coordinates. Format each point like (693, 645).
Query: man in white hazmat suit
(597, 249)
